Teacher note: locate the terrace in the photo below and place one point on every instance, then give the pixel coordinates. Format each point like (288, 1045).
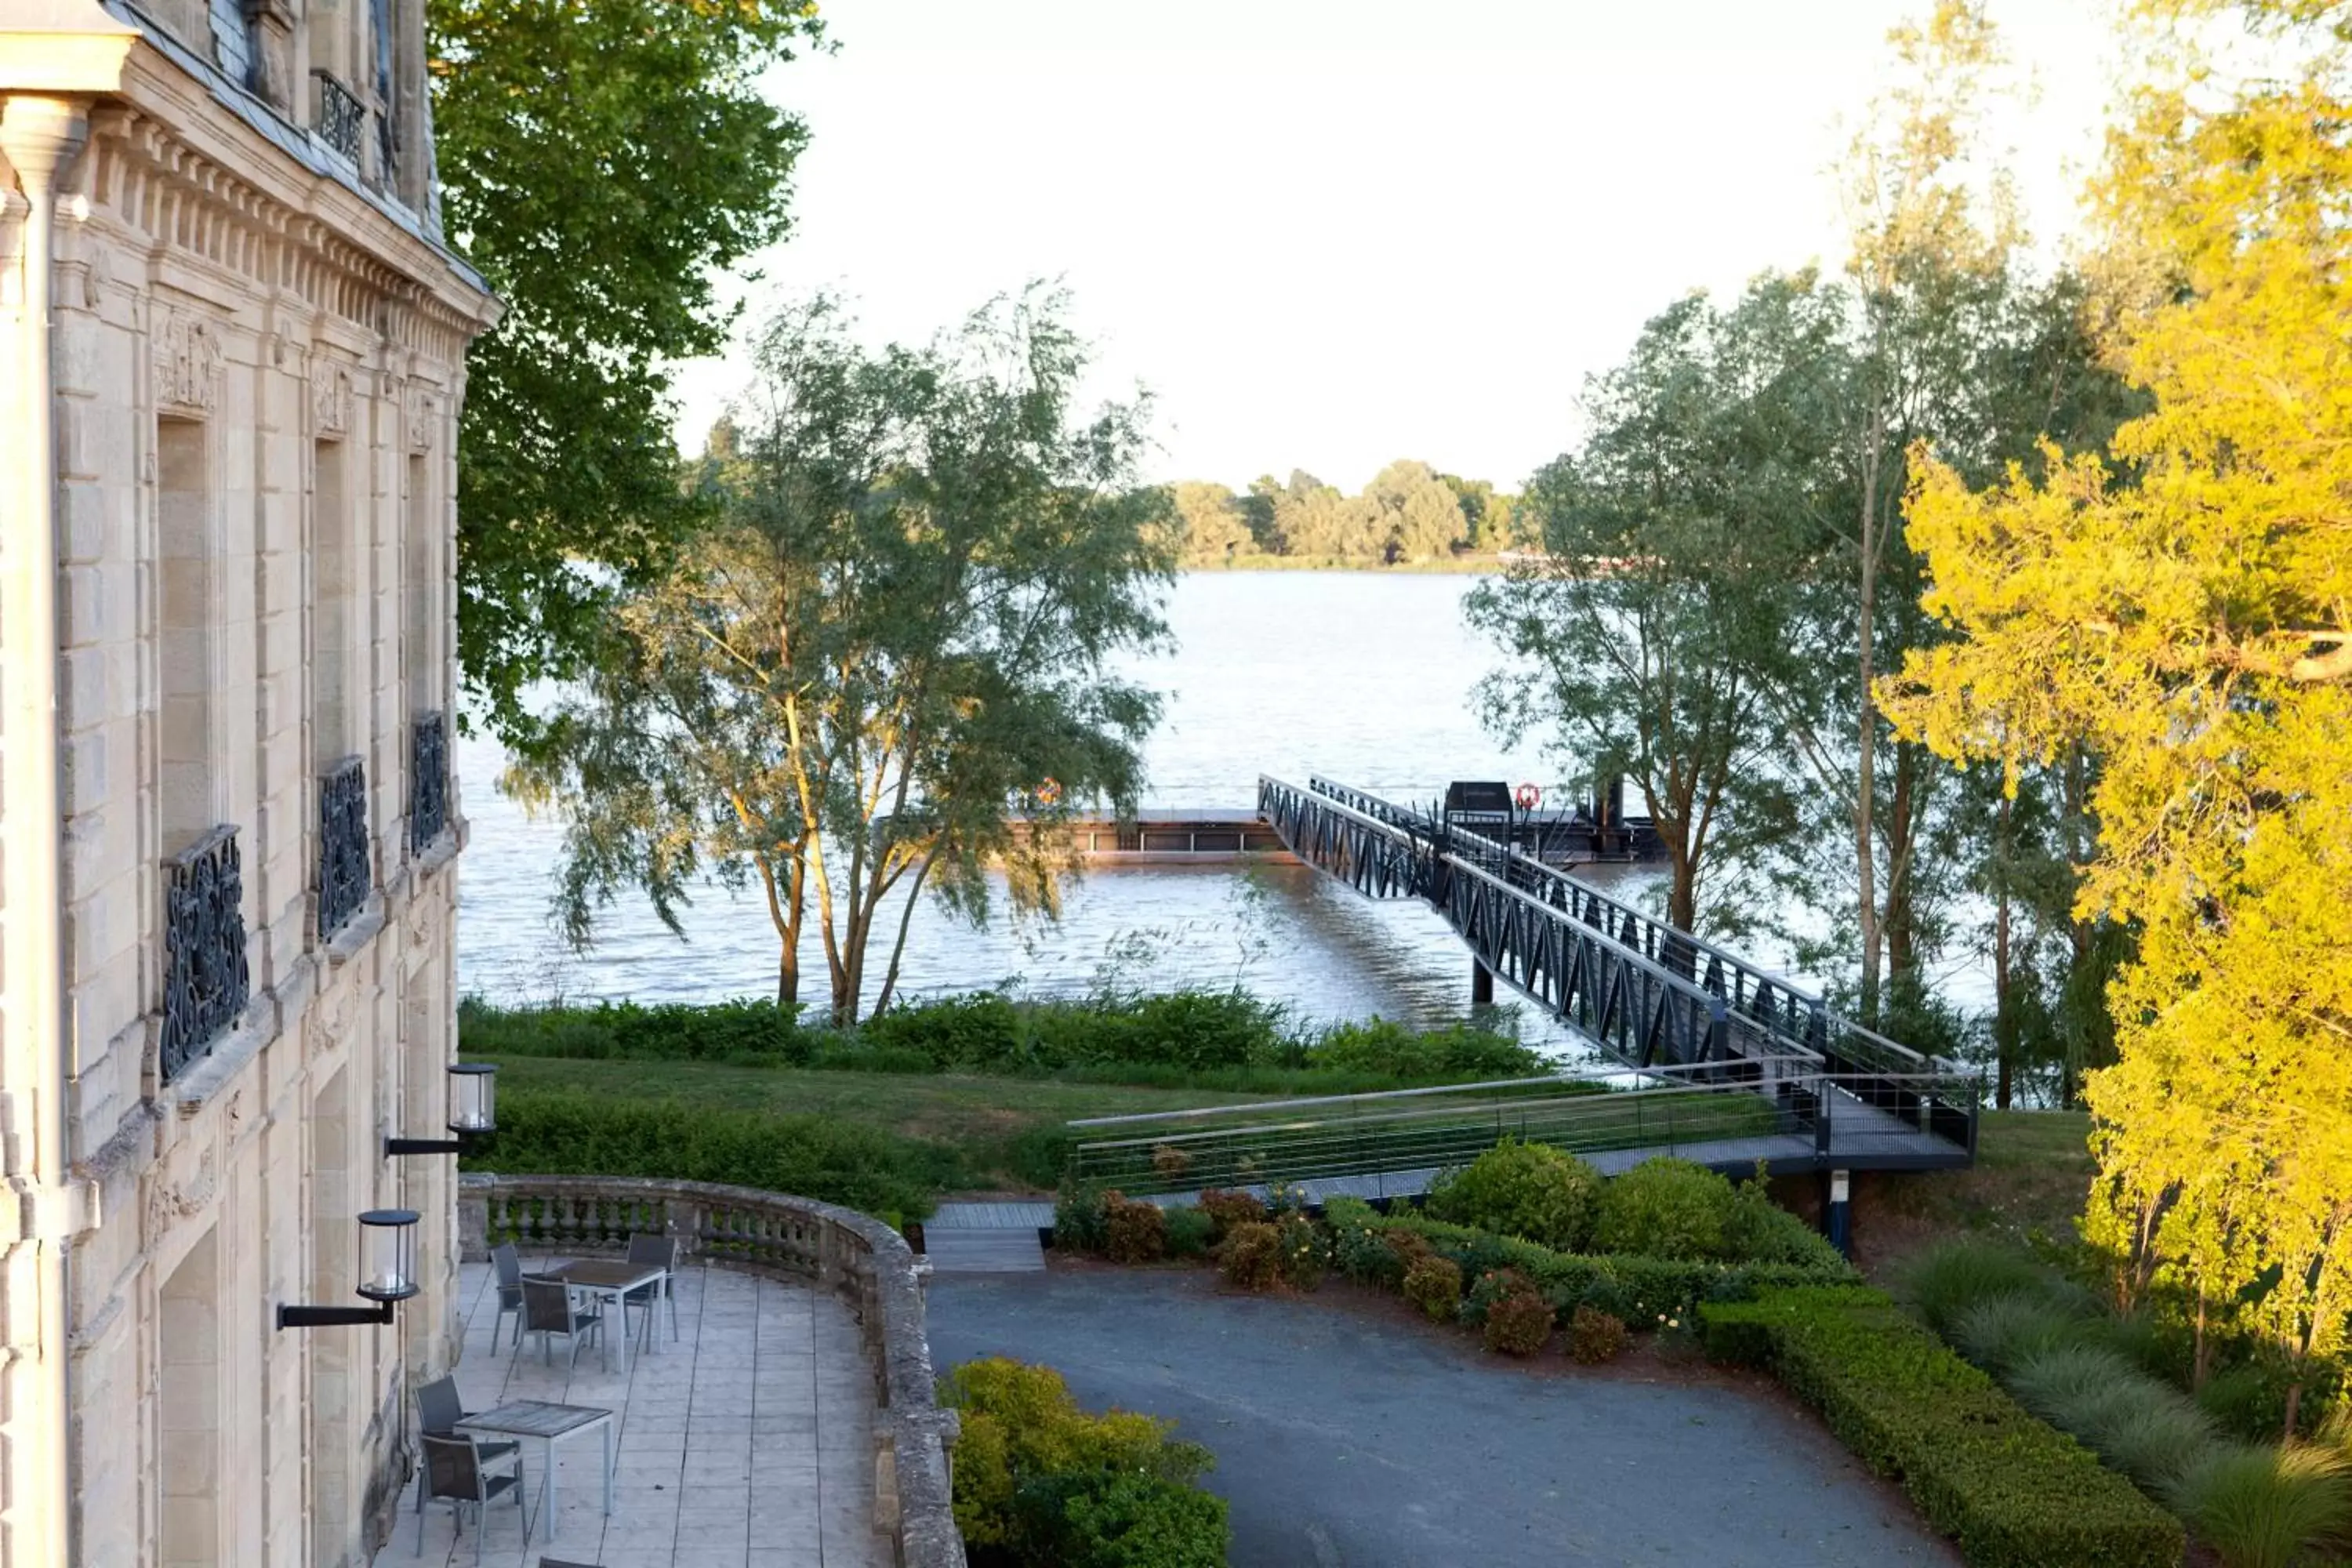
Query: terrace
(788, 1424)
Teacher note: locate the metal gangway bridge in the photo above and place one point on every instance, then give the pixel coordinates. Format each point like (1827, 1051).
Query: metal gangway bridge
(1707, 1056)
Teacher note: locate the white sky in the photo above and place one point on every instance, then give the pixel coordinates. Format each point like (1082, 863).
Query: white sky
(1327, 234)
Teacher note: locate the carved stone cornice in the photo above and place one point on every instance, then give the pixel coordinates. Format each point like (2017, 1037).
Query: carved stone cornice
(148, 180)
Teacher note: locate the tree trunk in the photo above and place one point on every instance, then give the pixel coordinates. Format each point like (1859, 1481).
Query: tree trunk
(1900, 929)
(1866, 733)
(2004, 1000)
(2200, 1355)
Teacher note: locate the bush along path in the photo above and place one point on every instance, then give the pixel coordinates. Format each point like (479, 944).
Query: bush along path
(1527, 1247)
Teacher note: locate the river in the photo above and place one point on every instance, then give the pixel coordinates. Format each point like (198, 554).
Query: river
(1361, 677)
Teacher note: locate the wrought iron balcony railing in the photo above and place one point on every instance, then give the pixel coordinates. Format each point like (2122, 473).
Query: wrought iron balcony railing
(206, 981)
(428, 779)
(343, 870)
(341, 116)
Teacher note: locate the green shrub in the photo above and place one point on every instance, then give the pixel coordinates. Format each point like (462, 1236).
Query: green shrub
(1035, 1477)
(1463, 1052)
(1226, 1210)
(1190, 1232)
(576, 1132)
(1594, 1336)
(1518, 1322)
(1641, 1290)
(2263, 1508)
(1999, 1331)
(1251, 1256)
(2013, 1492)
(1664, 1207)
(1082, 1219)
(1758, 1230)
(1942, 1281)
(749, 1031)
(1434, 1285)
(1134, 1231)
(1528, 1190)
(1107, 1519)
(1305, 1251)
(979, 1032)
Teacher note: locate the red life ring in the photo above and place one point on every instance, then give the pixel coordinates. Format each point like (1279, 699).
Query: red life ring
(1529, 796)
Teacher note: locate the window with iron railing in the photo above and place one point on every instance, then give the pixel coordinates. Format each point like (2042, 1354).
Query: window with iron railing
(341, 116)
(428, 779)
(205, 981)
(344, 872)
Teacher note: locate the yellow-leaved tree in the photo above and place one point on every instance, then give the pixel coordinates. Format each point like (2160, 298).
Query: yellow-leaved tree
(2182, 605)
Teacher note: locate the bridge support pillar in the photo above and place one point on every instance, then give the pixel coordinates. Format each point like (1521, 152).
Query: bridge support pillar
(1482, 984)
(1837, 1212)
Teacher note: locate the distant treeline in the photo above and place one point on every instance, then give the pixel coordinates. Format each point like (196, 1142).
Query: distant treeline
(1409, 512)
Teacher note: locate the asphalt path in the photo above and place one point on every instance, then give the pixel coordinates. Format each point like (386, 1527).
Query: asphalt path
(1349, 1437)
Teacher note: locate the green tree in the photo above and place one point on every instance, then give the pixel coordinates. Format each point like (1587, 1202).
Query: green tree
(891, 639)
(1645, 638)
(600, 164)
(1210, 526)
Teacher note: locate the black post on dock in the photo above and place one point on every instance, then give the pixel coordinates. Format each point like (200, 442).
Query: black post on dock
(1482, 984)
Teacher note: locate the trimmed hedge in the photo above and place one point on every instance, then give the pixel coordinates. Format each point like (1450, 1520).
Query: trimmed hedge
(1639, 1290)
(573, 1133)
(2013, 1491)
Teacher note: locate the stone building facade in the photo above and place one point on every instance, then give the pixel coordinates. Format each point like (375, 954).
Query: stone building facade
(232, 346)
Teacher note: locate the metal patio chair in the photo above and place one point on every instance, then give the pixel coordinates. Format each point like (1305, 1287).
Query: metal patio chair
(648, 1249)
(548, 1309)
(508, 1261)
(454, 1474)
(439, 1411)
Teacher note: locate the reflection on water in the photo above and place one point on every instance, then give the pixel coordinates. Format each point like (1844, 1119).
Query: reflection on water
(1363, 679)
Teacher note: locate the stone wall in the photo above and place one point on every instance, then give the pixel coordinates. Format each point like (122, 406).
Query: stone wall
(255, 367)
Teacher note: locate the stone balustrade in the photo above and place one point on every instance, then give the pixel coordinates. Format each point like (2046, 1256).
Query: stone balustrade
(866, 1262)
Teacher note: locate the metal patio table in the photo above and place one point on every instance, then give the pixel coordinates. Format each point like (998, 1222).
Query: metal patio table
(537, 1418)
(609, 1280)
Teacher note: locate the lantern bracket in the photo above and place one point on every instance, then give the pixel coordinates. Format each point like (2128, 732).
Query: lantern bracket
(289, 1317)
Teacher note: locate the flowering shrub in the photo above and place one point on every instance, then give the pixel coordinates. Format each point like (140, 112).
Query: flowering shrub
(1226, 1210)
(1305, 1251)
(1251, 1256)
(1134, 1231)
(1518, 1322)
(1434, 1284)
(1595, 1336)
(1286, 1198)
(1363, 1253)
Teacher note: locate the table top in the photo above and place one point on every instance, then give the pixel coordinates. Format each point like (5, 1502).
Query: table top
(610, 1274)
(535, 1418)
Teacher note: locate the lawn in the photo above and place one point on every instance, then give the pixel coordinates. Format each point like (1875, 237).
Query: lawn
(1002, 1130)
(2033, 1172)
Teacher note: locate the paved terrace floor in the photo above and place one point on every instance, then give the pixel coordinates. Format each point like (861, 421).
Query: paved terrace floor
(746, 1442)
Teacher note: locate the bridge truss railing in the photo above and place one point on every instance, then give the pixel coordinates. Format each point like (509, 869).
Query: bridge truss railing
(1401, 1139)
(1789, 1011)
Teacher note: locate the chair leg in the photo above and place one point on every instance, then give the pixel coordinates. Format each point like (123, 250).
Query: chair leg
(420, 1516)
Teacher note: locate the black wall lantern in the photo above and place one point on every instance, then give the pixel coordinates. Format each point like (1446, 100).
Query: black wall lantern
(387, 1273)
(473, 1111)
